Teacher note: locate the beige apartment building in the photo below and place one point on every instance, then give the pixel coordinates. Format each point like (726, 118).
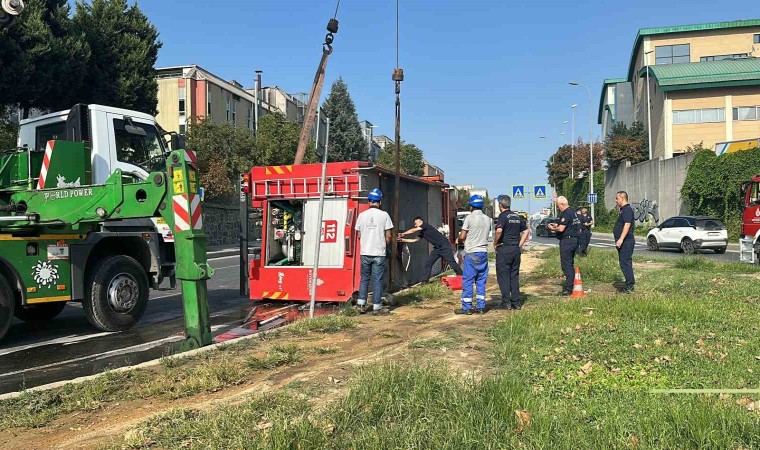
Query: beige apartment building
(704, 86)
(187, 92)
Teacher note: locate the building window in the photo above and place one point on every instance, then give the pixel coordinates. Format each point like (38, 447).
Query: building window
(182, 129)
(671, 54)
(710, 115)
(234, 113)
(229, 107)
(757, 39)
(721, 57)
(747, 113)
(181, 100)
(250, 118)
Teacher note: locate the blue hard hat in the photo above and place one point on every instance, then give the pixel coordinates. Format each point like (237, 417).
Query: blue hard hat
(476, 201)
(375, 195)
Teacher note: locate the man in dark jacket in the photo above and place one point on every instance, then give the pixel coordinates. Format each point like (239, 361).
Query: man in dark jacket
(441, 246)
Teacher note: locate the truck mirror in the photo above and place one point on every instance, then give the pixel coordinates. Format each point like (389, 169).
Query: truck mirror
(178, 142)
(135, 130)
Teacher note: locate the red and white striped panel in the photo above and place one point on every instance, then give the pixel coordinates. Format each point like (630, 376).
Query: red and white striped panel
(187, 212)
(191, 157)
(45, 164)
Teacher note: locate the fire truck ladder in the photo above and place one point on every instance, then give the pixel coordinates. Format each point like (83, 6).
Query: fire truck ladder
(346, 185)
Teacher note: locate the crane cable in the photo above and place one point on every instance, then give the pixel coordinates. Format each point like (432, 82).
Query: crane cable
(398, 77)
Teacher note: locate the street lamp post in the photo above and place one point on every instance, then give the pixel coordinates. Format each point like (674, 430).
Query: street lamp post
(590, 141)
(572, 144)
(649, 105)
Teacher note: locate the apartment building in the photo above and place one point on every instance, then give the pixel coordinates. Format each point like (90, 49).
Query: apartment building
(694, 83)
(186, 92)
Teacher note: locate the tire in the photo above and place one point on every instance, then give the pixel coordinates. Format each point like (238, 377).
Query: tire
(116, 293)
(40, 312)
(687, 246)
(7, 306)
(652, 244)
(720, 250)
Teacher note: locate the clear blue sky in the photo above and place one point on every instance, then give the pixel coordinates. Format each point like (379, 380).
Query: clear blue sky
(484, 79)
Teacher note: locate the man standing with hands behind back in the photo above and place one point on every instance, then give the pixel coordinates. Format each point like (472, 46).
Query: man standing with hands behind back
(624, 240)
(511, 234)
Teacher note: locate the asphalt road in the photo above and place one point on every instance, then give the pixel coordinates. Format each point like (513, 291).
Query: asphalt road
(599, 240)
(69, 347)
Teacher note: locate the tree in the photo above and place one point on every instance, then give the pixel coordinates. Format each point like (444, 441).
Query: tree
(124, 47)
(410, 157)
(278, 141)
(624, 143)
(8, 129)
(42, 59)
(346, 140)
(223, 153)
(563, 158)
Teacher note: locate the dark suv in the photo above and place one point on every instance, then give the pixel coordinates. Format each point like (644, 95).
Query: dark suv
(542, 230)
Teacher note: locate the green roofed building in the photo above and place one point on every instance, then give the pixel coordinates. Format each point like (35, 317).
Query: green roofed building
(704, 85)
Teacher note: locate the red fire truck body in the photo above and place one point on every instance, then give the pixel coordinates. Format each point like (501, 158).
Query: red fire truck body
(288, 200)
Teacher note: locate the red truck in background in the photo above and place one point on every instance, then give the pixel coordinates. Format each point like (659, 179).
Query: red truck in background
(749, 241)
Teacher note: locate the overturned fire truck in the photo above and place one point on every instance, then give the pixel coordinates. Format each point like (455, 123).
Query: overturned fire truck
(286, 198)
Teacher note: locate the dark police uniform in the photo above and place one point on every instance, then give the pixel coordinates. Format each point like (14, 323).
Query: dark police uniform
(568, 245)
(625, 252)
(441, 249)
(508, 257)
(585, 235)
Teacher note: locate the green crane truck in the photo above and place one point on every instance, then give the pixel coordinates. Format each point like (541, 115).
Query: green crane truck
(67, 236)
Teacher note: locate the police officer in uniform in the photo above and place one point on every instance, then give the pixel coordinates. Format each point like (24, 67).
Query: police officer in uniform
(624, 240)
(510, 237)
(567, 231)
(585, 238)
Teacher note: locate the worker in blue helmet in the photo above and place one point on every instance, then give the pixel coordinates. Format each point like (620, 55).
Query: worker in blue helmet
(474, 234)
(373, 228)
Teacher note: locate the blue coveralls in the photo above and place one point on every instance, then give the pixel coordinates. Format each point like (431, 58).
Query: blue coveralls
(475, 271)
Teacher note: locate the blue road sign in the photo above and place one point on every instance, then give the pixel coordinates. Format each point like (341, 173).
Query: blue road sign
(539, 191)
(518, 191)
(591, 198)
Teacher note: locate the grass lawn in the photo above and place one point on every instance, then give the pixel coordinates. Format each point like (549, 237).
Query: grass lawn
(564, 374)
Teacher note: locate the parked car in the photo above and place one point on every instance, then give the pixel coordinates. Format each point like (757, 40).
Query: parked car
(689, 234)
(542, 230)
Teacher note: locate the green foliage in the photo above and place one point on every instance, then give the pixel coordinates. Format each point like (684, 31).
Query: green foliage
(8, 129)
(124, 48)
(624, 143)
(566, 158)
(346, 140)
(576, 192)
(278, 141)
(223, 152)
(712, 185)
(410, 158)
(42, 58)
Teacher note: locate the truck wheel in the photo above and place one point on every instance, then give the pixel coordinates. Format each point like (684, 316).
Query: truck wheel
(687, 245)
(7, 305)
(720, 250)
(117, 293)
(40, 312)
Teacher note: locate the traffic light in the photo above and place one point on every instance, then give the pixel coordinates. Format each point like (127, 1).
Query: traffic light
(245, 183)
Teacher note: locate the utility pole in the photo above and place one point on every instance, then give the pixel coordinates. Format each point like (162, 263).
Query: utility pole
(256, 91)
(572, 143)
(398, 77)
(315, 268)
(649, 105)
(590, 141)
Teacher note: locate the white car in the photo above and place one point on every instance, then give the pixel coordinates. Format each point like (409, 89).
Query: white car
(689, 234)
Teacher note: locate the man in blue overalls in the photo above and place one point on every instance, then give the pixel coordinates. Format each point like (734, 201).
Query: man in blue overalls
(475, 236)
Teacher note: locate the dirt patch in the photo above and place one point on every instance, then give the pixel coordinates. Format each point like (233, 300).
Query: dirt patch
(411, 333)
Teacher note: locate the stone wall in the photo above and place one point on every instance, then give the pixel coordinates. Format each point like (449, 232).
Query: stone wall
(656, 181)
(222, 223)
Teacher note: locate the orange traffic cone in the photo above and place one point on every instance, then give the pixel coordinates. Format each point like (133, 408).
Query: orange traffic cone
(578, 285)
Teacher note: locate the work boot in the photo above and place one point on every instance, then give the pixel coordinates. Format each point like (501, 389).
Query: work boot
(627, 290)
(460, 311)
(381, 312)
(565, 294)
(517, 307)
(480, 311)
(361, 309)
(505, 305)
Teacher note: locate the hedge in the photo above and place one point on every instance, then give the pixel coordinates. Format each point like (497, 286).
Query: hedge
(713, 183)
(576, 192)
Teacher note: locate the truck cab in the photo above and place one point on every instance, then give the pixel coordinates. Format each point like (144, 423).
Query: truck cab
(119, 139)
(749, 242)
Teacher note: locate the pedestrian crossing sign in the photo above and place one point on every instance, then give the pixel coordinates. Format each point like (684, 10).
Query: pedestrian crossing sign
(539, 191)
(518, 191)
